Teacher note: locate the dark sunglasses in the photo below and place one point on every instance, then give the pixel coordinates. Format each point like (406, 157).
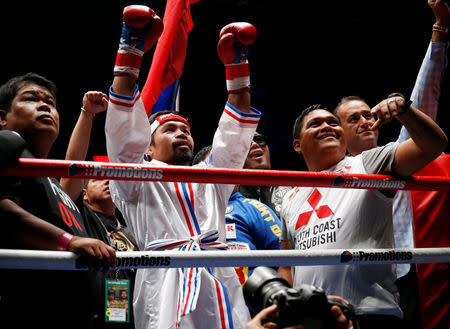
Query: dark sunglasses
(260, 140)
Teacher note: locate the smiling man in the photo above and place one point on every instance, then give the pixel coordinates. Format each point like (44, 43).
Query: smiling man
(330, 218)
(357, 121)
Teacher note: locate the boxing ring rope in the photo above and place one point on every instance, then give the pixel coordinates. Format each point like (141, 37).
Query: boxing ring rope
(121, 171)
(57, 260)
(64, 260)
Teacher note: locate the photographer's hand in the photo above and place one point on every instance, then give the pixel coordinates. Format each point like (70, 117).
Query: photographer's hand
(256, 322)
(339, 316)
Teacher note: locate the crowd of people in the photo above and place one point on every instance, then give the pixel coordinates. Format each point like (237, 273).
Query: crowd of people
(95, 218)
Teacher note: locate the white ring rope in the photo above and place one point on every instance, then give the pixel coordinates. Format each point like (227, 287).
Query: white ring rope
(64, 260)
(57, 260)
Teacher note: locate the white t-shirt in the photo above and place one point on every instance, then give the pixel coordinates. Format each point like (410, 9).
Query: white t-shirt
(336, 218)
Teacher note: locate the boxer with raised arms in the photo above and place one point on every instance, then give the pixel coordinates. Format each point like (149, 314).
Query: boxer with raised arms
(189, 216)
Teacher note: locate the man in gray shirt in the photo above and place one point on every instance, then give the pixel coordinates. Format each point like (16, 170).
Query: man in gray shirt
(326, 218)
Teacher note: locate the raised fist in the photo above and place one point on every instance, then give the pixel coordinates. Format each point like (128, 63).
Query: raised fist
(95, 102)
(393, 106)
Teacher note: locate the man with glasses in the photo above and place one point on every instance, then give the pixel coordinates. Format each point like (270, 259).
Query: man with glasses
(259, 158)
(361, 135)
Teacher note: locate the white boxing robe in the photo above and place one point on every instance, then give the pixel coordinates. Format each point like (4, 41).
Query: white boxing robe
(175, 210)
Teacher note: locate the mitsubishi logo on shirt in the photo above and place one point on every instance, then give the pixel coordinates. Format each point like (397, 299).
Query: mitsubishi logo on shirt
(322, 212)
(344, 170)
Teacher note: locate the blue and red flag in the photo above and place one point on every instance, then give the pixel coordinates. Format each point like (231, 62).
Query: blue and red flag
(161, 88)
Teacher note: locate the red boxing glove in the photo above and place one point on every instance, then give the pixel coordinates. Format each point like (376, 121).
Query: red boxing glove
(232, 49)
(137, 15)
(141, 29)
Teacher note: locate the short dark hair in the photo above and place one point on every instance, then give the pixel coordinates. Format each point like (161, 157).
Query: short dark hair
(298, 124)
(347, 99)
(9, 89)
(201, 155)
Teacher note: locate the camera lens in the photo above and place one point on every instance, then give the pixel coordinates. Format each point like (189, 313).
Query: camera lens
(262, 284)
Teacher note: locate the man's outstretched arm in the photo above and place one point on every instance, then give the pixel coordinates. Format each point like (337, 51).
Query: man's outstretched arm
(93, 102)
(126, 128)
(20, 225)
(427, 89)
(427, 140)
(141, 28)
(238, 121)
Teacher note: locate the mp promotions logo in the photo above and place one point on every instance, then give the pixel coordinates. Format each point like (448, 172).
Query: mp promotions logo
(355, 182)
(347, 256)
(386, 257)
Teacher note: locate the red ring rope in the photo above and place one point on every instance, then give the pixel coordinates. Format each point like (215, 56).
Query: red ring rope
(129, 171)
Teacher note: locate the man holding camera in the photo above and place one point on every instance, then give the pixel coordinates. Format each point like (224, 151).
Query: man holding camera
(301, 307)
(256, 322)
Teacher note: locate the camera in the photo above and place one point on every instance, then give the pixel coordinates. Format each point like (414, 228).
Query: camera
(303, 305)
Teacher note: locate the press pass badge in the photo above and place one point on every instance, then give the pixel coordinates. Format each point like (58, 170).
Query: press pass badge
(117, 303)
(238, 245)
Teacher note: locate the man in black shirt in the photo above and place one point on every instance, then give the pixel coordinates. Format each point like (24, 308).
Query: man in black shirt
(36, 213)
(94, 201)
